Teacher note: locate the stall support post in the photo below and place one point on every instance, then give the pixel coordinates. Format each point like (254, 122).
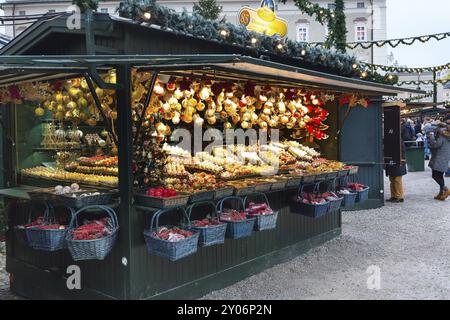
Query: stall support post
(125, 152)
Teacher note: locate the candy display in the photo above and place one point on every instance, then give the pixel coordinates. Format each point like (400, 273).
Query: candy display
(62, 175)
(161, 192)
(173, 234)
(92, 230)
(255, 209)
(233, 215)
(205, 223)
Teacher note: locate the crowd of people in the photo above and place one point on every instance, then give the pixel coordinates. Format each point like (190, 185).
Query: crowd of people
(434, 134)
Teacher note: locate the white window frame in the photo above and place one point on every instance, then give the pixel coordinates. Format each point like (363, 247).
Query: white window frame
(359, 25)
(358, 7)
(305, 33)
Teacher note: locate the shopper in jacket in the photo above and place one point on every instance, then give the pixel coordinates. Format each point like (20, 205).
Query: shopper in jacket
(439, 142)
(395, 173)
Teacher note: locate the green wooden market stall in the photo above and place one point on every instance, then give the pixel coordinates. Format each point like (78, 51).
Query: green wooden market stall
(123, 47)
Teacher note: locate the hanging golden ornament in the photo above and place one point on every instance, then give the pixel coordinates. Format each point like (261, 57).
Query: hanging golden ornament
(176, 119)
(263, 125)
(158, 90)
(75, 93)
(166, 107)
(245, 124)
(39, 111)
(301, 124)
(235, 118)
(211, 120)
(246, 116)
(205, 93)
(58, 97)
(200, 106)
(281, 107)
(284, 120)
(227, 125)
(99, 92)
(178, 94)
(273, 123)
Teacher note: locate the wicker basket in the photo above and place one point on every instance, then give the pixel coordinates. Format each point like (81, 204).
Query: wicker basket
(20, 231)
(307, 209)
(349, 200)
(237, 229)
(144, 200)
(362, 195)
(167, 249)
(47, 240)
(210, 235)
(263, 222)
(96, 249)
(335, 205)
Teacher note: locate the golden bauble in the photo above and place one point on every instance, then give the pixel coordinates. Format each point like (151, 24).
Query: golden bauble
(284, 120)
(245, 125)
(68, 114)
(66, 99)
(211, 120)
(113, 115)
(99, 92)
(168, 115)
(246, 117)
(235, 118)
(39, 111)
(200, 106)
(178, 94)
(290, 125)
(59, 97)
(306, 118)
(273, 123)
(74, 92)
(160, 128)
(210, 113)
(84, 84)
(281, 107)
(166, 107)
(176, 120)
(187, 117)
(204, 93)
(59, 108)
(267, 111)
(76, 113)
(82, 102)
(71, 105)
(302, 124)
(264, 117)
(227, 125)
(263, 125)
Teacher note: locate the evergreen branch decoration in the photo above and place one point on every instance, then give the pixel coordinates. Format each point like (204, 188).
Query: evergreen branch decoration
(208, 9)
(149, 12)
(86, 4)
(419, 82)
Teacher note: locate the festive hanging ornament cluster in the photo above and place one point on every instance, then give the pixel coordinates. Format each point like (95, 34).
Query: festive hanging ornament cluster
(204, 102)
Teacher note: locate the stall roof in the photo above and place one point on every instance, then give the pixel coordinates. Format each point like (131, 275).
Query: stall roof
(17, 69)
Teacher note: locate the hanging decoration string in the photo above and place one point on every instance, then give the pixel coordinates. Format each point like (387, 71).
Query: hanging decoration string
(407, 70)
(419, 82)
(392, 42)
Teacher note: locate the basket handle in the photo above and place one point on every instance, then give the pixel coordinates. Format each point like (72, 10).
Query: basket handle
(257, 194)
(220, 203)
(155, 217)
(31, 211)
(111, 213)
(51, 211)
(199, 204)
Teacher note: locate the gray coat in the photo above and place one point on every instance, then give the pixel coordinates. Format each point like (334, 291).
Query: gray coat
(440, 149)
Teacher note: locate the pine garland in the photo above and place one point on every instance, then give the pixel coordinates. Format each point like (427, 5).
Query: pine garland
(86, 4)
(148, 11)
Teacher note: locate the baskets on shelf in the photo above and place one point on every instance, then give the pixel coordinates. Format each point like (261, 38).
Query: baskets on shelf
(46, 239)
(172, 250)
(349, 196)
(308, 209)
(94, 249)
(84, 201)
(20, 231)
(144, 200)
(362, 195)
(236, 229)
(263, 221)
(211, 234)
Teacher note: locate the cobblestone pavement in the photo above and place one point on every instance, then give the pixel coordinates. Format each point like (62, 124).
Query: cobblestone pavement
(408, 243)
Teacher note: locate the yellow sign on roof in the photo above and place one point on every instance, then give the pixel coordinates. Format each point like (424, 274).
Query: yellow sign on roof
(263, 20)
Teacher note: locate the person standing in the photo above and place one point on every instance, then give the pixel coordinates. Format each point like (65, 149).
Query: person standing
(439, 142)
(395, 173)
(418, 128)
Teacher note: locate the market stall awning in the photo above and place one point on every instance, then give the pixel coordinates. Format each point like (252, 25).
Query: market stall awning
(17, 69)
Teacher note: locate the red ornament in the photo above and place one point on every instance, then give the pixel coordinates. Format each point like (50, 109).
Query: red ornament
(14, 92)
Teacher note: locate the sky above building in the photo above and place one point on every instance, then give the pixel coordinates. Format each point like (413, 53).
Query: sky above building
(406, 18)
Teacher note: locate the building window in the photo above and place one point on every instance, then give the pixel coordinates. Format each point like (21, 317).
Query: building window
(22, 13)
(331, 6)
(360, 5)
(51, 11)
(104, 10)
(302, 33)
(360, 33)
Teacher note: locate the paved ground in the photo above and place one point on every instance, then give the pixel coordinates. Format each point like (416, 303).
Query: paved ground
(408, 243)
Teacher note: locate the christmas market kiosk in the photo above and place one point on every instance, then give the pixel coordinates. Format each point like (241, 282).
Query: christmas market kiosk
(172, 174)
